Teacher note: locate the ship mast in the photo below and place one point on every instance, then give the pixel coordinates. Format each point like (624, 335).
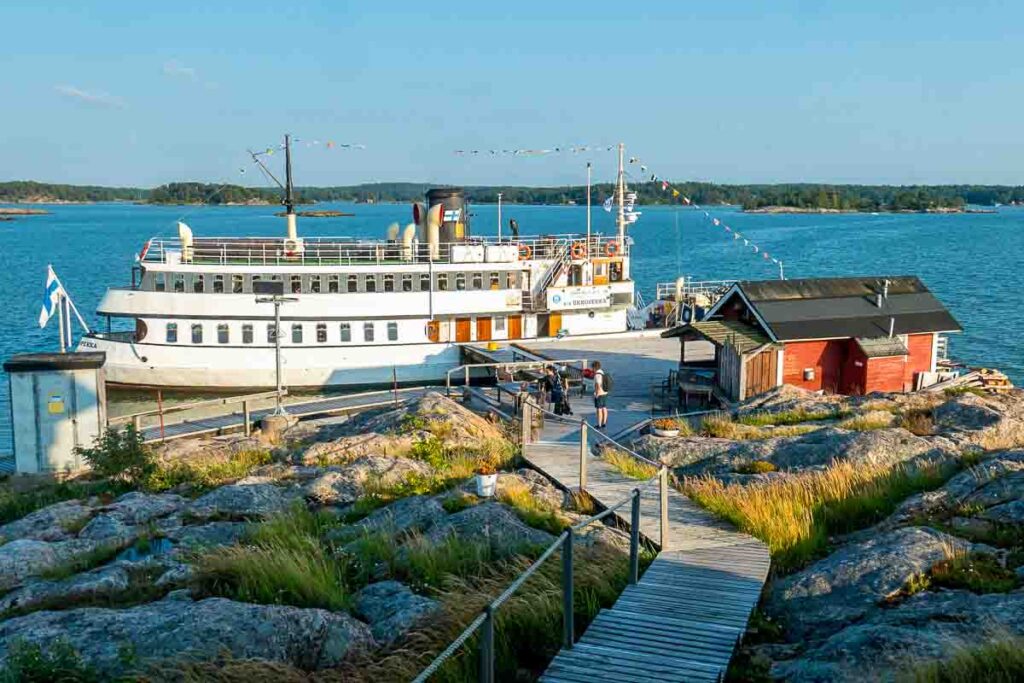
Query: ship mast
(620, 191)
(289, 194)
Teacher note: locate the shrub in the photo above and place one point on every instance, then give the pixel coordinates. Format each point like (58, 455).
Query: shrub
(120, 455)
(998, 661)
(918, 422)
(30, 663)
(628, 465)
(756, 467)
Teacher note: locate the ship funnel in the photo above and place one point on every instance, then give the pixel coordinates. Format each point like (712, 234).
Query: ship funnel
(392, 233)
(185, 237)
(407, 237)
(454, 217)
(433, 229)
(419, 214)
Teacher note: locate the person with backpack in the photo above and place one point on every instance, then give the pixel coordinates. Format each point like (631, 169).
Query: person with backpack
(602, 387)
(559, 400)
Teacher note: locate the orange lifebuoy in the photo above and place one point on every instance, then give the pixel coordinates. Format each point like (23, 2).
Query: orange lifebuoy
(611, 248)
(579, 251)
(525, 252)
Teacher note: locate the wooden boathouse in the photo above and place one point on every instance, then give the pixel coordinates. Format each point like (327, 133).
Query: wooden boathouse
(839, 335)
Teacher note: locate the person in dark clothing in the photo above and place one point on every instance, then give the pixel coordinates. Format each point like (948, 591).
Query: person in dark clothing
(513, 225)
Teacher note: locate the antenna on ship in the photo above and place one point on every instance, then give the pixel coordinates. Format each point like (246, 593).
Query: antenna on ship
(620, 191)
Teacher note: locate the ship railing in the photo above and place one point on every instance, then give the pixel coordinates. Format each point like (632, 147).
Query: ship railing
(712, 289)
(329, 251)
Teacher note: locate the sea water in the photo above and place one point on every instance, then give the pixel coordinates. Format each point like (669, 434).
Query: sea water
(970, 261)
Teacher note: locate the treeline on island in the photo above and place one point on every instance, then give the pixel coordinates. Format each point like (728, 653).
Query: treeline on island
(808, 196)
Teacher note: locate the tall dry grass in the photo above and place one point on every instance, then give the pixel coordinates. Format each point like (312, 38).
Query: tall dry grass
(796, 515)
(628, 465)
(1001, 660)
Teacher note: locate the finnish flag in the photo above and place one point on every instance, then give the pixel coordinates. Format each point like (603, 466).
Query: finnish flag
(51, 297)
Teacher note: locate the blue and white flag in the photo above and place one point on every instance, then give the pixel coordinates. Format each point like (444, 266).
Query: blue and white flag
(51, 297)
(608, 204)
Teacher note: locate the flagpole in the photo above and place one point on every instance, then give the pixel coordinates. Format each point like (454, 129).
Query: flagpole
(68, 332)
(621, 191)
(74, 308)
(588, 209)
(60, 322)
(499, 217)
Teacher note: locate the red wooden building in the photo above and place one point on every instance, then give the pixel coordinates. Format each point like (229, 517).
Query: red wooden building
(838, 335)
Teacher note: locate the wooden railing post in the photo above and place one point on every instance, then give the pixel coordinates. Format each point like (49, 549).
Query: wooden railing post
(487, 647)
(246, 418)
(525, 422)
(663, 495)
(137, 423)
(634, 538)
(583, 454)
(567, 591)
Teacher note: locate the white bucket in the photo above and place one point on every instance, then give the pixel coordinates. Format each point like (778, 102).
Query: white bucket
(485, 485)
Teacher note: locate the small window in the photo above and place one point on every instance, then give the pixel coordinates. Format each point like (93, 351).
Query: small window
(159, 283)
(407, 283)
(389, 282)
(353, 283)
(271, 334)
(237, 283)
(296, 282)
(198, 282)
(223, 335)
(333, 282)
(346, 332)
(218, 284)
(172, 333)
(478, 280)
(392, 331)
(460, 281)
(442, 282)
(179, 282)
(495, 281)
(368, 332)
(197, 334)
(499, 324)
(247, 334)
(371, 283)
(297, 333)
(321, 333)
(425, 282)
(314, 284)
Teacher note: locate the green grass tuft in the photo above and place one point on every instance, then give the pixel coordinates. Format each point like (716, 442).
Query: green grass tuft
(628, 465)
(976, 572)
(31, 663)
(998, 661)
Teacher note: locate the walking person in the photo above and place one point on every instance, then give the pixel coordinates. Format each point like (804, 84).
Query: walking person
(558, 397)
(602, 387)
(548, 385)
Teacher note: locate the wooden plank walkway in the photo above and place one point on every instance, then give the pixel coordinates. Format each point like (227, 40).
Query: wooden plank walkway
(683, 619)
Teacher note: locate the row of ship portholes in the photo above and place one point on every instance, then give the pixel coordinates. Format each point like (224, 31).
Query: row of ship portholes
(333, 284)
(223, 333)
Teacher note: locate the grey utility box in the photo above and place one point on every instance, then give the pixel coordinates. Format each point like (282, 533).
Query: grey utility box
(58, 401)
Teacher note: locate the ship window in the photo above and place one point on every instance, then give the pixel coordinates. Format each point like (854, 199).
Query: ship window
(371, 283)
(271, 334)
(499, 323)
(197, 334)
(297, 333)
(223, 335)
(346, 332)
(218, 284)
(314, 284)
(296, 281)
(368, 332)
(179, 282)
(392, 331)
(407, 283)
(172, 333)
(478, 280)
(321, 333)
(159, 283)
(460, 281)
(495, 281)
(247, 334)
(197, 283)
(442, 282)
(353, 283)
(511, 279)
(332, 284)
(237, 283)
(389, 283)
(425, 282)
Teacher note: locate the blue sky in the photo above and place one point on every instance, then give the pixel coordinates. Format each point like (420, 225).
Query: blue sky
(139, 93)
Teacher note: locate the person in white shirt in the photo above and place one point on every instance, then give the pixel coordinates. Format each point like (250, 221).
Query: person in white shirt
(600, 395)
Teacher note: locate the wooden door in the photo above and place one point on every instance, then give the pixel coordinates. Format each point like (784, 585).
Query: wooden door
(554, 324)
(761, 373)
(462, 329)
(515, 327)
(434, 330)
(483, 329)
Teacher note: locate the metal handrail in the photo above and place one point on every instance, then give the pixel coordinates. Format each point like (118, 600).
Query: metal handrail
(467, 367)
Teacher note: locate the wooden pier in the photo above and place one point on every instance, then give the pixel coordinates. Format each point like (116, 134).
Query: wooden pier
(684, 618)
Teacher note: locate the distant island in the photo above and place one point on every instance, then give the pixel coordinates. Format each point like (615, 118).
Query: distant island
(8, 214)
(765, 198)
(318, 214)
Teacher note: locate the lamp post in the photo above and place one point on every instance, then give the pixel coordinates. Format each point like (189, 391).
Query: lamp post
(499, 217)
(275, 290)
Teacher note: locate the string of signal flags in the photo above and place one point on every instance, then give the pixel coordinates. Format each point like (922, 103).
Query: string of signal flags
(736, 235)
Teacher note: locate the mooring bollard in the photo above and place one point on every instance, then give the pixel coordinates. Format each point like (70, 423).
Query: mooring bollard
(663, 494)
(567, 591)
(583, 454)
(634, 538)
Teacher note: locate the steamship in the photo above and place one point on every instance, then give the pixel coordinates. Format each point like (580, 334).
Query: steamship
(359, 312)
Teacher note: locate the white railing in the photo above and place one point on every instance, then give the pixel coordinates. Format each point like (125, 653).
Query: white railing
(712, 289)
(326, 251)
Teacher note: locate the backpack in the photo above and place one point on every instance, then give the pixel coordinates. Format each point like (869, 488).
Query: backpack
(606, 382)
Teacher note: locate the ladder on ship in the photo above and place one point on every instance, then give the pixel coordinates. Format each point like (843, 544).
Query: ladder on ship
(534, 299)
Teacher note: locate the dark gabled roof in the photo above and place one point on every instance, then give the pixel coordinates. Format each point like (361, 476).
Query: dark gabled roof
(826, 308)
(741, 335)
(882, 347)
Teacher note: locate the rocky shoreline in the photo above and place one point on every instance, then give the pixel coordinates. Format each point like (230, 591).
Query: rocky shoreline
(816, 210)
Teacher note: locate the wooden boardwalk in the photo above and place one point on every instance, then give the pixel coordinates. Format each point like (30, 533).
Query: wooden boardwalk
(684, 618)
